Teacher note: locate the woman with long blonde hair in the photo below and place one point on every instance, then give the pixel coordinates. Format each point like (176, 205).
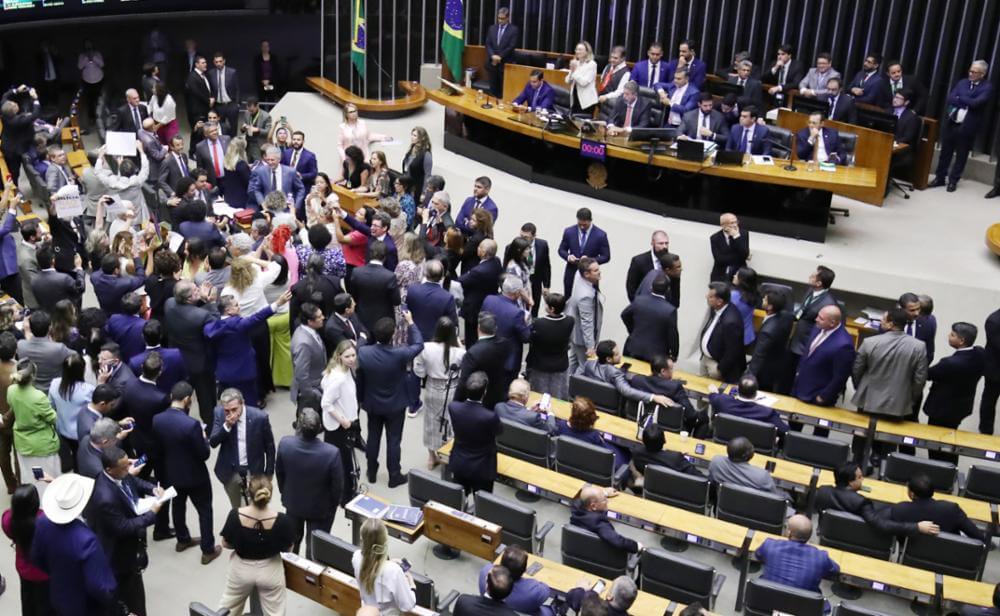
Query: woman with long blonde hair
(35, 439)
(234, 182)
(354, 131)
(382, 581)
(582, 78)
(339, 405)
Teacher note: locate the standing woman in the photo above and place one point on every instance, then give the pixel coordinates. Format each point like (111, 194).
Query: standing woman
(434, 364)
(481, 223)
(418, 162)
(35, 439)
(548, 348)
(382, 582)
(91, 65)
(258, 535)
(403, 191)
(279, 327)
(515, 263)
(408, 271)
(320, 201)
(582, 79)
(339, 403)
(248, 276)
(267, 74)
(354, 131)
(163, 110)
(355, 243)
(234, 182)
(68, 394)
(746, 296)
(19, 525)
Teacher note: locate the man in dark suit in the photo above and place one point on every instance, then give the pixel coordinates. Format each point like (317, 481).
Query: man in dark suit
(868, 85)
(374, 287)
(225, 86)
(174, 370)
(908, 126)
(991, 372)
(515, 409)
(652, 70)
(590, 512)
(825, 363)
(819, 143)
(480, 199)
(113, 515)
(916, 325)
(110, 361)
(344, 324)
(181, 439)
(383, 393)
(954, 381)
(645, 262)
(753, 94)
(651, 322)
(428, 301)
(501, 40)
(772, 339)
(132, 113)
(473, 460)
(301, 160)
(748, 135)
(489, 355)
(512, 324)
(210, 153)
(785, 73)
(629, 111)
(818, 296)
(310, 478)
(175, 165)
(947, 515)
(499, 585)
(479, 283)
(966, 109)
(125, 327)
(50, 286)
(744, 404)
(537, 93)
(232, 347)
(686, 60)
(721, 339)
(198, 92)
(18, 133)
(661, 381)
(584, 239)
(730, 248)
(895, 81)
(273, 176)
(539, 265)
(110, 284)
(378, 234)
(246, 444)
(840, 105)
(705, 122)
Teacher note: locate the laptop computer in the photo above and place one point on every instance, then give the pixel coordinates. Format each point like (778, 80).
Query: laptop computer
(690, 150)
(728, 157)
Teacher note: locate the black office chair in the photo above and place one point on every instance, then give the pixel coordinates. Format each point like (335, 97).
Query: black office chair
(749, 507)
(656, 116)
(781, 141)
(332, 551)
(585, 461)
(670, 487)
(425, 486)
(679, 579)
(847, 609)
(200, 609)
(424, 590)
(604, 395)
(982, 483)
(524, 443)
(561, 102)
(846, 531)
(764, 598)
(518, 523)
(670, 418)
(899, 467)
(815, 451)
(850, 143)
(586, 551)
(947, 554)
(762, 434)
(530, 58)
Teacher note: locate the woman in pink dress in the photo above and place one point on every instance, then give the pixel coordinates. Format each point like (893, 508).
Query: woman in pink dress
(354, 131)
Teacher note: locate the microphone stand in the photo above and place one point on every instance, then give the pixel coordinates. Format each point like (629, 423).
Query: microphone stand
(791, 157)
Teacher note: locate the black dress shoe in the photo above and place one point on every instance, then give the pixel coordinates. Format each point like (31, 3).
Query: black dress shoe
(936, 182)
(993, 193)
(951, 187)
(397, 480)
(164, 535)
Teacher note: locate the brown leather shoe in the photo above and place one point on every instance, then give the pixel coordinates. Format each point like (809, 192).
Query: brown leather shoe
(181, 546)
(215, 553)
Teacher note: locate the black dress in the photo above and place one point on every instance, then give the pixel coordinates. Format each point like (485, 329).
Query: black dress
(354, 179)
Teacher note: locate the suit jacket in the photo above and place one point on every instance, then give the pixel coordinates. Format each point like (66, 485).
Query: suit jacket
(204, 231)
(730, 405)
(759, 143)
(56, 177)
(19, 131)
(198, 92)
(121, 376)
(793, 74)
(640, 113)
(468, 206)
(85, 420)
(697, 70)
(889, 373)
(376, 292)
(926, 331)
(72, 554)
(110, 288)
(142, 401)
(336, 330)
(544, 97)
(542, 275)
(597, 522)
(725, 345)
(474, 455)
(688, 102)
(310, 477)
(171, 173)
(479, 283)
(185, 325)
(842, 109)
(477, 605)
(872, 86)
(769, 351)
(946, 514)
(514, 411)
(511, 327)
(723, 470)
(549, 343)
(262, 122)
(88, 459)
(612, 375)
(831, 141)
(184, 448)
(908, 126)
(126, 121)
(121, 531)
(502, 46)
(174, 370)
(642, 75)
(50, 286)
(232, 84)
(428, 302)
(235, 359)
(391, 259)
(716, 123)
(308, 361)
(671, 388)
(203, 156)
(260, 185)
(641, 264)
(306, 166)
(595, 246)
(126, 330)
(259, 443)
(845, 499)
(954, 380)
(918, 93)
(753, 92)
(816, 81)
(27, 266)
(991, 329)
(489, 355)
(586, 307)
(824, 372)
(47, 356)
(728, 255)
(381, 389)
(8, 246)
(806, 318)
(651, 322)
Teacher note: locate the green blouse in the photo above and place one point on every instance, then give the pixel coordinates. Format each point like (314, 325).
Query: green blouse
(34, 421)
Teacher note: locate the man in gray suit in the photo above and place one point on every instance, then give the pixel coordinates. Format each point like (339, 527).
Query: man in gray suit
(59, 172)
(605, 369)
(103, 434)
(515, 408)
(155, 151)
(210, 153)
(705, 122)
(27, 260)
(47, 355)
(586, 306)
(735, 468)
(255, 124)
(308, 356)
(103, 401)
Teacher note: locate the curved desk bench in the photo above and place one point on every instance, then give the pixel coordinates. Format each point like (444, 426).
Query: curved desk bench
(415, 98)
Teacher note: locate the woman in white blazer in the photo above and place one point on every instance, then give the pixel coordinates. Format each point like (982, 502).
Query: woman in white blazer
(582, 79)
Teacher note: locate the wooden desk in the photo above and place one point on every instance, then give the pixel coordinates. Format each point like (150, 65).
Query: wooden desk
(857, 332)
(515, 77)
(462, 531)
(350, 200)
(415, 97)
(407, 534)
(993, 238)
(920, 168)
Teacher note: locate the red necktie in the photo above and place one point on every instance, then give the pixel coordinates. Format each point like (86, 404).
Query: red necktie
(215, 159)
(607, 79)
(628, 115)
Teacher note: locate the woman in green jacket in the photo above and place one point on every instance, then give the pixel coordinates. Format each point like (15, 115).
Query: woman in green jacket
(35, 439)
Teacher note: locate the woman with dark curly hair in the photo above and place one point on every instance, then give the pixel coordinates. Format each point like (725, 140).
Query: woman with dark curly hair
(582, 418)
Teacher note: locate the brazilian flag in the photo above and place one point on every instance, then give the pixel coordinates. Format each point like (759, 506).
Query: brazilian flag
(453, 37)
(359, 39)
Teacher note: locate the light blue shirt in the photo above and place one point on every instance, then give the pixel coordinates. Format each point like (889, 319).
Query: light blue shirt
(67, 410)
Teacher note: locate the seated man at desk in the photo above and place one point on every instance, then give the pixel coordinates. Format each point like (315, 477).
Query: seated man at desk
(515, 408)
(922, 506)
(499, 584)
(744, 404)
(794, 562)
(527, 596)
(590, 512)
(631, 111)
(735, 468)
(748, 135)
(820, 143)
(652, 452)
(908, 126)
(619, 599)
(705, 122)
(661, 381)
(537, 93)
(677, 98)
(605, 369)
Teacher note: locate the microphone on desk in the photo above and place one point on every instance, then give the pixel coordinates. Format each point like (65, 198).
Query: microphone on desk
(487, 104)
(791, 157)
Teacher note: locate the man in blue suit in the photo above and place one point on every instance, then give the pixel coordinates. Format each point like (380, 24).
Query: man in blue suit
(301, 160)
(527, 596)
(377, 233)
(428, 301)
(125, 328)
(479, 283)
(584, 239)
(480, 199)
(954, 381)
(512, 324)
(826, 362)
(273, 176)
(916, 325)
(868, 85)
(748, 131)
(686, 60)
(110, 284)
(649, 72)
(968, 103)
(537, 93)
(382, 392)
(473, 460)
(245, 441)
(816, 142)
(173, 371)
(744, 404)
(10, 280)
(181, 439)
(677, 98)
(651, 322)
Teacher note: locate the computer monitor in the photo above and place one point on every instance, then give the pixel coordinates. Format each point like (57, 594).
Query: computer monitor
(653, 134)
(877, 119)
(722, 88)
(803, 104)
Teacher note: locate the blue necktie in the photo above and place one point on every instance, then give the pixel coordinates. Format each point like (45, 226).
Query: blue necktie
(743, 141)
(128, 492)
(583, 241)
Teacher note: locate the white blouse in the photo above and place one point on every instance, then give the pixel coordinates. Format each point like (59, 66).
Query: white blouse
(340, 395)
(393, 594)
(252, 298)
(164, 112)
(430, 362)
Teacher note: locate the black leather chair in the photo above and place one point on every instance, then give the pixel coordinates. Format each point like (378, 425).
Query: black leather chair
(670, 418)
(846, 531)
(781, 141)
(815, 451)
(586, 551)
(847, 609)
(946, 553)
(764, 598)
(530, 58)
(561, 100)
(670, 487)
(518, 523)
(604, 396)
(761, 433)
(332, 551)
(524, 443)
(850, 143)
(982, 483)
(200, 609)
(899, 467)
(585, 461)
(424, 590)
(750, 507)
(679, 579)
(425, 486)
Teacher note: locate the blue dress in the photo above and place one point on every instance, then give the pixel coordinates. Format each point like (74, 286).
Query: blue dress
(746, 311)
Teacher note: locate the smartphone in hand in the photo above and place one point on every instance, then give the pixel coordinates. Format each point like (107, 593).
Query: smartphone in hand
(38, 472)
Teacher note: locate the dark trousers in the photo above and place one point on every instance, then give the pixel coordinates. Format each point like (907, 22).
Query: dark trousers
(91, 93)
(536, 296)
(339, 439)
(11, 285)
(953, 143)
(310, 524)
(131, 592)
(473, 484)
(203, 382)
(13, 159)
(786, 378)
(988, 405)
(201, 498)
(35, 599)
(392, 423)
(471, 330)
(67, 453)
(260, 338)
(944, 422)
(9, 466)
(496, 77)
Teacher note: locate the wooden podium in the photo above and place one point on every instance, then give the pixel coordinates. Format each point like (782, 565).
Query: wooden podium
(462, 531)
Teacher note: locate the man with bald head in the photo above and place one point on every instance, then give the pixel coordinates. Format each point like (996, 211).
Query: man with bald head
(516, 408)
(730, 248)
(512, 323)
(479, 283)
(155, 153)
(825, 364)
(591, 512)
(132, 113)
(646, 261)
(794, 562)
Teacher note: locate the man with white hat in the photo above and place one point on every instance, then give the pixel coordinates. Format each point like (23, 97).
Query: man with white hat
(81, 582)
